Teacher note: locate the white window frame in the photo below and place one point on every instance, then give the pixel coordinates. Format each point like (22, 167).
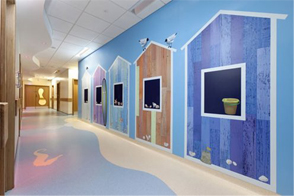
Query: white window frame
(84, 95)
(148, 79)
(96, 95)
(243, 91)
(122, 94)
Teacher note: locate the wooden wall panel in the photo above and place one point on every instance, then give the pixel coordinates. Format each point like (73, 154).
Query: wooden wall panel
(155, 61)
(30, 96)
(2, 86)
(10, 95)
(2, 52)
(3, 140)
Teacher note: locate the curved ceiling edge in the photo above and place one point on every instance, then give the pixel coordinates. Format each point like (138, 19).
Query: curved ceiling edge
(34, 32)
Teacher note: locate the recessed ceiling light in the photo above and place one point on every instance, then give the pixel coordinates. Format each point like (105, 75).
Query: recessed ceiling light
(139, 7)
(83, 51)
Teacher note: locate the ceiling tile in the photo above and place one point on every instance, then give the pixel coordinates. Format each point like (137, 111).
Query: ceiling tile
(105, 10)
(102, 39)
(76, 40)
(113, 31)
(127, 20)
(126, 4)
(60, 55)
(46, 53)
(45, 56)
(60, 25)
(68, 48)
(52, 65)
(63, 11)
(55, 43)
(58, 35)
(83, 33)
(80, 4)
(94, 46)
(90, 22)
(57, 62)
(150, 9)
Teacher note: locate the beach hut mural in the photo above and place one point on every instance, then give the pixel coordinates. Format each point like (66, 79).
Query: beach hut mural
(98, 76)
(230, 109)
(86, 95)
(154, 96)
(119, 74)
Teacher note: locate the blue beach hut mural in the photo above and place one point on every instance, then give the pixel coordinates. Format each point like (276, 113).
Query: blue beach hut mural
(119, 95)
(230, 108)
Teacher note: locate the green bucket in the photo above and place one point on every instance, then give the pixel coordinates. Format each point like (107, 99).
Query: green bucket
(230, 105)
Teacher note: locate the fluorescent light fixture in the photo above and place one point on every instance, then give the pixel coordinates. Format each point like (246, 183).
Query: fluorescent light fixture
(139, 7)
(83, 51)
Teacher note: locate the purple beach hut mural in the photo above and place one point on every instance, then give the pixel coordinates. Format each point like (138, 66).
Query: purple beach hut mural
(98, 76)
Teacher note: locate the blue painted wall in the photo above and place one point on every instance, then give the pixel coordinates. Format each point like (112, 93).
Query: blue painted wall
(186, 18)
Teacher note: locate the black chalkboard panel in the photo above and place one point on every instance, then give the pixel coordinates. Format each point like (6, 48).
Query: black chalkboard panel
(118, 95)
(152, 94)
(85, 95)
(98, 95)
(221, 84)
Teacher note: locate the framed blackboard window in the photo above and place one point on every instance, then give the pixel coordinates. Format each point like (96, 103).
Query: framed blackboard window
(118, 94)
(152, 94)
(98, 95)
(86, 95)
(223, 92)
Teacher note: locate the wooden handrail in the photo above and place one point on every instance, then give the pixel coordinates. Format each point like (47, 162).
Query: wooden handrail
(3, 124)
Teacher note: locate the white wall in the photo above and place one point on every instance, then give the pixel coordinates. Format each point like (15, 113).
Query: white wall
(65, 79)
(72, 74)
(62, 78)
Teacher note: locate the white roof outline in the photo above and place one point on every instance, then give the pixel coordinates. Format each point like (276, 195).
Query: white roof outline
(121, 58)
(236, 13)
(157, 44)
(97, 68)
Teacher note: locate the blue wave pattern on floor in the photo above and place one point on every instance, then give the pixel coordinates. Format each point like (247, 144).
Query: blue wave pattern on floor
(82, 170)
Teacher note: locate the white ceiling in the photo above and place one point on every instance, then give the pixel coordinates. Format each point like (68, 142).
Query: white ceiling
(77, 24)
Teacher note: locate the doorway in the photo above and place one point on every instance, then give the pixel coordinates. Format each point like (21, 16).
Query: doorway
(36, 96)
(58, 96)
(75, 96)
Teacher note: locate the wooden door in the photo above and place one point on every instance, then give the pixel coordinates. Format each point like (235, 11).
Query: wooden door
(75, 96)
(36, 96)
(42, 96)
(52, 97)
(7, 91)
(30, 96)
(58, 96)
